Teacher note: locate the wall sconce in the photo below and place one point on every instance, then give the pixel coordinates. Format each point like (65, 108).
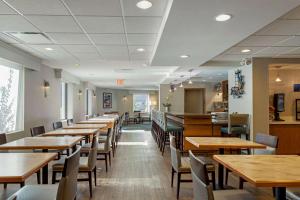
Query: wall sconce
(94, 93)
(79, 93)
(124, 98)
(46, 86)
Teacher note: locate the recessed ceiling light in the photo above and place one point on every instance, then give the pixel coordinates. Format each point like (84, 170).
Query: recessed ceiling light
(185, 56)
(190, 82)
(246, 50)
(77, 65)
(140, 49)
(223, 17)
(49, 49)
(144, 4)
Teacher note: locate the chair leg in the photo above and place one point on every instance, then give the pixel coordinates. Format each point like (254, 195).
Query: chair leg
(5, 185)
(38, 176)
(109, 158)
(105, 162)
(53, 177)
(178, 183)
(95, 176)
(241, 183)
(172, 179)
(22, 184)
(226, 176)
(213, 177)
(90, 184)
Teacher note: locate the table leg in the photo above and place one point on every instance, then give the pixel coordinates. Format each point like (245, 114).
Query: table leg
(221, 171)
(280, 193)
(45, 171)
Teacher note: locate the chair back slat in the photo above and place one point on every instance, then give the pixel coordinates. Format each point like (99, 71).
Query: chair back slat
(175, 154)
(270, 141)
(92, 158)
(35, 131)
(70, 122)
(67, 188)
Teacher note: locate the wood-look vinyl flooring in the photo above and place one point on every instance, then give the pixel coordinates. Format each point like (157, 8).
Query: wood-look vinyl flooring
(138, 172)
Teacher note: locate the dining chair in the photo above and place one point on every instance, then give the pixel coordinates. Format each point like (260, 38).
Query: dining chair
(202, 190)
(86, 165)
(57, 125)
(180, 165)
(293, 193)
(238, 125)
(66, 189)
(70, 122)
(38, 130)
(271, 143)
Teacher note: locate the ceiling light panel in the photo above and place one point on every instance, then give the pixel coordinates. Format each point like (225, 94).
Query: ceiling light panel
(31, 37)
(6, 10)
(223, 17)
(157, 9)
(39, 7)
(93, 24)
(144, 4)
(55, 23)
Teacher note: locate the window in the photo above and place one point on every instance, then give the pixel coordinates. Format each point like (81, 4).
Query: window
(66, 109)
(11, 99)
(141, 102)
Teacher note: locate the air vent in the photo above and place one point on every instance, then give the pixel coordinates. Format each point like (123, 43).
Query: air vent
(30, 37)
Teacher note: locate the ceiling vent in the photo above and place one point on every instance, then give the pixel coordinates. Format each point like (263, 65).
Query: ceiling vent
(30, 37)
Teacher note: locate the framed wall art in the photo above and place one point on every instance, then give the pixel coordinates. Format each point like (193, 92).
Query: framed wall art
(107, 100)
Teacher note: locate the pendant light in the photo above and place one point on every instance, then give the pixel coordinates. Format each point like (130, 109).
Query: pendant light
(190, 81)
(181, 85)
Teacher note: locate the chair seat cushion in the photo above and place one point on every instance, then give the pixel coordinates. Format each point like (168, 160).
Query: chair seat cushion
(234, 130)
(232, 195)
(293, 193)
(173, 127)
(185, 165)
(36, 192)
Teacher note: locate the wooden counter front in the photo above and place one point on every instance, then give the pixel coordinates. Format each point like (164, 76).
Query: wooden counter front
(288, 137)
(195, 125)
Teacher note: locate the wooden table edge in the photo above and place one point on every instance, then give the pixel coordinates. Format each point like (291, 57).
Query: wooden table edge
(19, 179)
(256, 183)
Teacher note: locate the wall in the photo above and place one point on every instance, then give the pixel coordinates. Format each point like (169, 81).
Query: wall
(122, 99)
(289, 77)
(176, 98)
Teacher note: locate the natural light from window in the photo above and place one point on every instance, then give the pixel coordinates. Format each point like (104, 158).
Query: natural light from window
(10, 99)
(141, 102)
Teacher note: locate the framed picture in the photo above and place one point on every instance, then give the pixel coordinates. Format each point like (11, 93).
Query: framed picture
(107, 100)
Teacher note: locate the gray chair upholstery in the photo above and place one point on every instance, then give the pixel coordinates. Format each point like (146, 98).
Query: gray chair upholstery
(66, 189)
(57, 125)
(270, 141)
(293, 193)
(35, 131)
(238, 125)
(86, 165)
(203, 191)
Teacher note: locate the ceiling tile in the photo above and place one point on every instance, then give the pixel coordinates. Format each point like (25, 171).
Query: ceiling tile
(237, 50)
(55, 23)
(31, 50)
(281, 27)
(15, 23)
(112, 50)
(39, 7)
(141, 39)
(230, 57)
(142, 24)
(292, 41)
(294, 14)
(94, 24)
(266, 41)
(5, 10)
(69, 38)
(80, 48)
(112, 39)
(157, 9)
(87, 56)
(95, 7)
(57, 53)
(295, 50)
(273, 51)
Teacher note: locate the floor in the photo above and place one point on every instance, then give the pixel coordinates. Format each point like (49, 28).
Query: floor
(138, 171)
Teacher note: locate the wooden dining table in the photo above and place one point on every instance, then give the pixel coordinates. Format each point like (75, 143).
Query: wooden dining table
(279, 171)
(108, 121)
(86, 133)
(86, 126)
(43, 143)
(17, 167)
(222, 143)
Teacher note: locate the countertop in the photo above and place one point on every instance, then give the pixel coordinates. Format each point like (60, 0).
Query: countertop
(189, 114)
(286, 122)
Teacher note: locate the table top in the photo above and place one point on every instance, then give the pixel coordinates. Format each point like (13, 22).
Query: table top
(16, 167)
(71, 132)
(41, 143)
(264, 170)
(223, 142)
(86, 126)
(96, 121)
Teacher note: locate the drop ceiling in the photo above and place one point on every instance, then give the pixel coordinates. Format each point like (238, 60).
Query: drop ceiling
(97, 39)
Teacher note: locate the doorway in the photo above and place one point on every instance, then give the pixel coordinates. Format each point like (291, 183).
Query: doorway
(194, 100)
